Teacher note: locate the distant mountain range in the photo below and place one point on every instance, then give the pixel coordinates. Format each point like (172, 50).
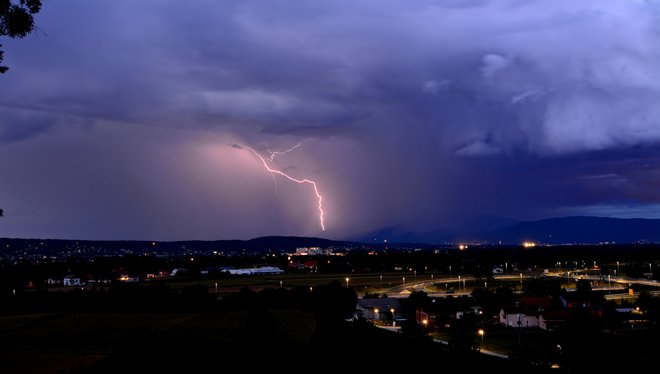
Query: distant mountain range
(490, 230)
(564, 230)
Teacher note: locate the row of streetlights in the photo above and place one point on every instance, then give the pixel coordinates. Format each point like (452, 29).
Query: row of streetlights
(403, 279)
(347, 279)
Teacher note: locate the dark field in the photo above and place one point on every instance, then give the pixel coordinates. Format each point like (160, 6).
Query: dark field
(294, 322)
(291, 340)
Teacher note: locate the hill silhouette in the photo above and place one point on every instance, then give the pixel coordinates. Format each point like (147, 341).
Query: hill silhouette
(561, 230)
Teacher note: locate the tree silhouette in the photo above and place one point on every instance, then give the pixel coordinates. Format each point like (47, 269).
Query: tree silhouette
(416, 300)
(464, 337)
(583, 286)
(17, 20)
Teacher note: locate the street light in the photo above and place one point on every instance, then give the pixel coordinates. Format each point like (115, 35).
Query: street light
(404, 280)
(216, 290)
(481, 333)
(459, 282)
(449, 271)
(617, 269)
(347, 279)
(381, 281)
(376, 311)
(392, 311)
(560, 351)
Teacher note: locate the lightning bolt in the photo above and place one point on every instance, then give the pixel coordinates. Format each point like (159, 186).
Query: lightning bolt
(273, 154)
(274, 171)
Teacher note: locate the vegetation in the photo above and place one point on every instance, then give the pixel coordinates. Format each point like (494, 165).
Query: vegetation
(16, 21)
(594, 337)
(302, 319)
(158, 329)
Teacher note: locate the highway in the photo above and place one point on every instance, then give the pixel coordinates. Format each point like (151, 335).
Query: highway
(463, 285)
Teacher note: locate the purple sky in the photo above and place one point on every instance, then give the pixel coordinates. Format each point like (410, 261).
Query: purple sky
(135, 119)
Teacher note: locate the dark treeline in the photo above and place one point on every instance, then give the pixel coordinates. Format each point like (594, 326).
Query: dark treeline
(261, 340)
(336, 340)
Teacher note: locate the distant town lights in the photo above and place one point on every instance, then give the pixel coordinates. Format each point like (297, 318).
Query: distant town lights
(529, 244)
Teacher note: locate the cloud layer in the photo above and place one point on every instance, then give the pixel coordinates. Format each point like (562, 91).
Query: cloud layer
(408, 113)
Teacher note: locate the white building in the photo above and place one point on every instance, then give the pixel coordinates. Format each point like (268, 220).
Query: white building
(518, 317)
(71, 281)
(253, 271)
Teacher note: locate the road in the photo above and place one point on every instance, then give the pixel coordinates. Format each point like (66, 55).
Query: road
(439, 341)
(463, 285)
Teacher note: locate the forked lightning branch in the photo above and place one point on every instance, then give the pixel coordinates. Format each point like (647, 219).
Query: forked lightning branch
(268, 163)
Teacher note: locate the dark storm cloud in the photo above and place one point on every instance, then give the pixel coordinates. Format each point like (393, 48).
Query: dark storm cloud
(17, 125)
(409, 112)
